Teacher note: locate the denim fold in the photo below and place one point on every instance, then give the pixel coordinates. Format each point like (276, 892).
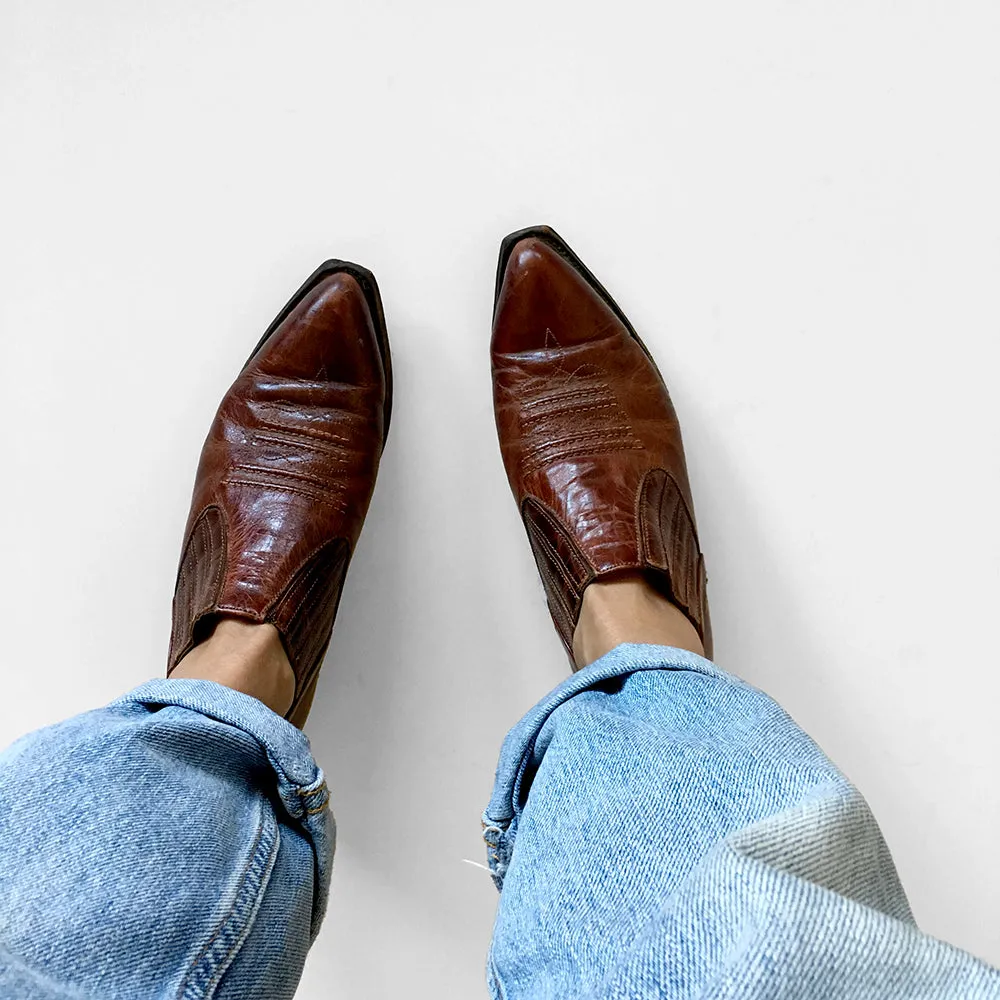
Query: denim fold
(659, 828)
(175, 844)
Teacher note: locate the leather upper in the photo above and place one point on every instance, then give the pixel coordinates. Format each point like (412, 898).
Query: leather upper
(589, 438)
(285, 479)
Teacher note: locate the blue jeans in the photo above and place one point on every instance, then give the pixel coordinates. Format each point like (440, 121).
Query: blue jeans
(657, 829)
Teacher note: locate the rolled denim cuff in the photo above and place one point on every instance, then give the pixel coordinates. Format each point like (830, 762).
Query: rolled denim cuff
(300, 782)
(520, 754)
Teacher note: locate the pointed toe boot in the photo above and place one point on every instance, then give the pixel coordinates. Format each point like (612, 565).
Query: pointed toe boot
(589, 436)
(287, 473)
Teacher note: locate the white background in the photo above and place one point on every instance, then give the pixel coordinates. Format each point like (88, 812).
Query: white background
(797, 205)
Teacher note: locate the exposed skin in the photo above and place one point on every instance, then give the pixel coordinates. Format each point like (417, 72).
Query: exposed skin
(244, 656)
(629, 609)
(250, 658)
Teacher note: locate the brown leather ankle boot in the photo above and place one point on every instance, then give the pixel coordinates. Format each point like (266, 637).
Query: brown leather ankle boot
(589, 437)
(287, 473)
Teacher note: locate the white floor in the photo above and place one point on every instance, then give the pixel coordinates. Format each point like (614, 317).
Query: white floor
(797, 205)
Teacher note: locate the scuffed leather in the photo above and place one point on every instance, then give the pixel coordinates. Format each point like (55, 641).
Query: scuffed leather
(590, 440)
(285, 479)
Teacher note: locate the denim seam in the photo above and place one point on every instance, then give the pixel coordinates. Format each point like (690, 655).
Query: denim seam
(310, 795)
(313, 791)
(207, 970)
(493, 845)
(254, 722)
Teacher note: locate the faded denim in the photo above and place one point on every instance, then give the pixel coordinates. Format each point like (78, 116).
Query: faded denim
(658, 828)
(176, 844)
(661, 829)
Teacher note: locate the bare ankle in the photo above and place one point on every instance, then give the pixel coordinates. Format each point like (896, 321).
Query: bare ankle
(244, 656)
(629, 609)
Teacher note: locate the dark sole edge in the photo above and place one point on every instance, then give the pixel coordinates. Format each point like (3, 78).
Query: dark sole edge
(550, 237)
(369, 286)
